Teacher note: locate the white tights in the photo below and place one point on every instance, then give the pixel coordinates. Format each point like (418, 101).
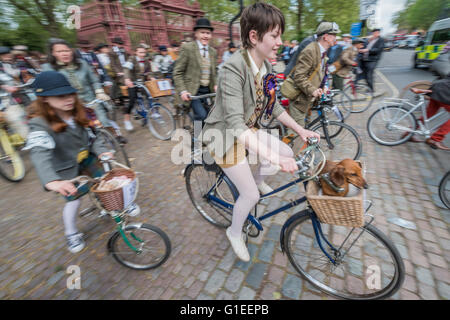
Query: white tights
(246, 184)
(69, 215)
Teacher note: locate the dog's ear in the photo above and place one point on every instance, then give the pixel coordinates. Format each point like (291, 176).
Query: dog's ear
(337, 175)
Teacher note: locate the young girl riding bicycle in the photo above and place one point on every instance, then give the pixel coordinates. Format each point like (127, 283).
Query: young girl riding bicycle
(61, 146)
(244, 94)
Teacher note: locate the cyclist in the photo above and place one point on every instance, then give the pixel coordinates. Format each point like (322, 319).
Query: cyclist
(347, 62)
(163, 61)
(195, 70)
(60, 145)
(239, 103)
(138, 67)
(61, 58)
(310, 70)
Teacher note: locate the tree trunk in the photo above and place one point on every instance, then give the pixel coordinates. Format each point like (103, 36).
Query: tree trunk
(299, 15)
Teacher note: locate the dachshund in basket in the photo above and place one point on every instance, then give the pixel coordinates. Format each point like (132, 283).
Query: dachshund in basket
(340, 179)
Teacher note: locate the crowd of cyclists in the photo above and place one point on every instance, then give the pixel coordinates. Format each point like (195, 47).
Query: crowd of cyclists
(194, 69)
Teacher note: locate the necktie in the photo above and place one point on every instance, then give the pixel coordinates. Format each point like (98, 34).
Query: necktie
(204, 51)
(259, 101)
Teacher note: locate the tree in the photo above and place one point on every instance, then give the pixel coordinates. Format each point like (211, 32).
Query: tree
(420, 14)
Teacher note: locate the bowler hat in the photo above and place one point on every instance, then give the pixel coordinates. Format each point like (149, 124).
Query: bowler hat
(203, 23)
(117, 40)
(357, 40)
(52, 83)
(101, 45)
(162, 48)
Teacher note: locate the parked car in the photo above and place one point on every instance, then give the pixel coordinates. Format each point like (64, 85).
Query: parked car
(412, 41)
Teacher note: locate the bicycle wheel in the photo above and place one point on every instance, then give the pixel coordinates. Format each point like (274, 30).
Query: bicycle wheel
(391, 125)
(12, 167)
(111, 143)
(361, 96)
(339, 141)
(198, 182)
(152, 243)
(273, 124)
(160, 122)
(368, 266)
(343, 102)
(444, 190)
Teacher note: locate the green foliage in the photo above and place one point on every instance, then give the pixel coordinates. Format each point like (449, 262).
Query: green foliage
(420, 14)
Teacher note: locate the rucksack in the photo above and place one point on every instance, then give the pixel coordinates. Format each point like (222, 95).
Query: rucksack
(334, 53)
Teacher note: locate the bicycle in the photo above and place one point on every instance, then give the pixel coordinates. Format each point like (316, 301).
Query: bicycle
(394, 123)
(332, 133)
(360, 95)
(184, 115)
(144, 246)
(158, 118)
(12, 167)
(444, 189)
(335, 262)
(98, 130)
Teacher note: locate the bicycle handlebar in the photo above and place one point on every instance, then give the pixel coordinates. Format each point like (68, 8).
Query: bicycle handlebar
(203, 96)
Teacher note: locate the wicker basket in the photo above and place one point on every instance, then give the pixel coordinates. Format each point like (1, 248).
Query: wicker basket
(341, 211)
(155, 90)
(113, 200)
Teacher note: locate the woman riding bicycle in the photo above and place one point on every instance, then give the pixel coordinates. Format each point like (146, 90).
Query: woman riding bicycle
(61, 58)
(61, 146)
(239, 103)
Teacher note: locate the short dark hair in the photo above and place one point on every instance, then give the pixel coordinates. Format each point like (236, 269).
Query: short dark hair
(261, 17)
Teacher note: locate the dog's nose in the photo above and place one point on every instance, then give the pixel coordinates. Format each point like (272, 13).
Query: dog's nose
(366, 186)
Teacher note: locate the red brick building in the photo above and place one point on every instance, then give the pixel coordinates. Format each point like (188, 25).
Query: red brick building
(157, 22)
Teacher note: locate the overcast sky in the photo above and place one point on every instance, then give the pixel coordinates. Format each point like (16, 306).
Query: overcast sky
(384, 13)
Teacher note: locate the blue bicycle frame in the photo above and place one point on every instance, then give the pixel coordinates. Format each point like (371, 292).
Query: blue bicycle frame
(211, 198)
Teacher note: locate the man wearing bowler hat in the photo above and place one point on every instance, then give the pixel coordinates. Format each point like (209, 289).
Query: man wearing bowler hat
(195, 70)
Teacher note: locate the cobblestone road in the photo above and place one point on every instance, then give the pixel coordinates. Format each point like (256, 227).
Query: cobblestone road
(34, 258)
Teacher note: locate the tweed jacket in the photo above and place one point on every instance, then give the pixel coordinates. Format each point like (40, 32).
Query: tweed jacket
(308, 61)
(234, 104)
(55, 154)
(132, 71)
(83, 79)
(187, 70)
(347, 59)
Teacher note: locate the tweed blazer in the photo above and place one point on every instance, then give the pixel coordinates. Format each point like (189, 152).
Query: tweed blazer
(234, 104)
(54, 155)
(131, 70)
(187, 70)
(308, 61)
(347, 59)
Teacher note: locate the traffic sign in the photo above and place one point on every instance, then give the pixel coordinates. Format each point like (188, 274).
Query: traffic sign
(355, 30)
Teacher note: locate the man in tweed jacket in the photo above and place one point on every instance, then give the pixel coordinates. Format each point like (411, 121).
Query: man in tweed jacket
(195, 69)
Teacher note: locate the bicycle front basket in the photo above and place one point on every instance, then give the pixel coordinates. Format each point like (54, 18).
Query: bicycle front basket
(341, 211)
(117, 199)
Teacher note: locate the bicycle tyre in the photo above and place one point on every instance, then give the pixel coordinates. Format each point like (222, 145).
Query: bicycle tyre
(443, 189)
(344, 104)
(113, 246)
(293, 237)
(211, 213)
(341, 131)
(12, 167)
(362, 99)
(371, 126)
(166, 120)
(120, 153)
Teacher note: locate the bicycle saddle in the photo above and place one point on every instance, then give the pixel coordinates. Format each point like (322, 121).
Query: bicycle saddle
(420, 91)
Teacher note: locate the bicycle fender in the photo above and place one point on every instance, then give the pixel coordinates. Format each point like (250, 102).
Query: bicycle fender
(134, 225)
(288, 223)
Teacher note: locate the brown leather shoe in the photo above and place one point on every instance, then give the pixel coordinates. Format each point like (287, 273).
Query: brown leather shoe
(437, 145)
